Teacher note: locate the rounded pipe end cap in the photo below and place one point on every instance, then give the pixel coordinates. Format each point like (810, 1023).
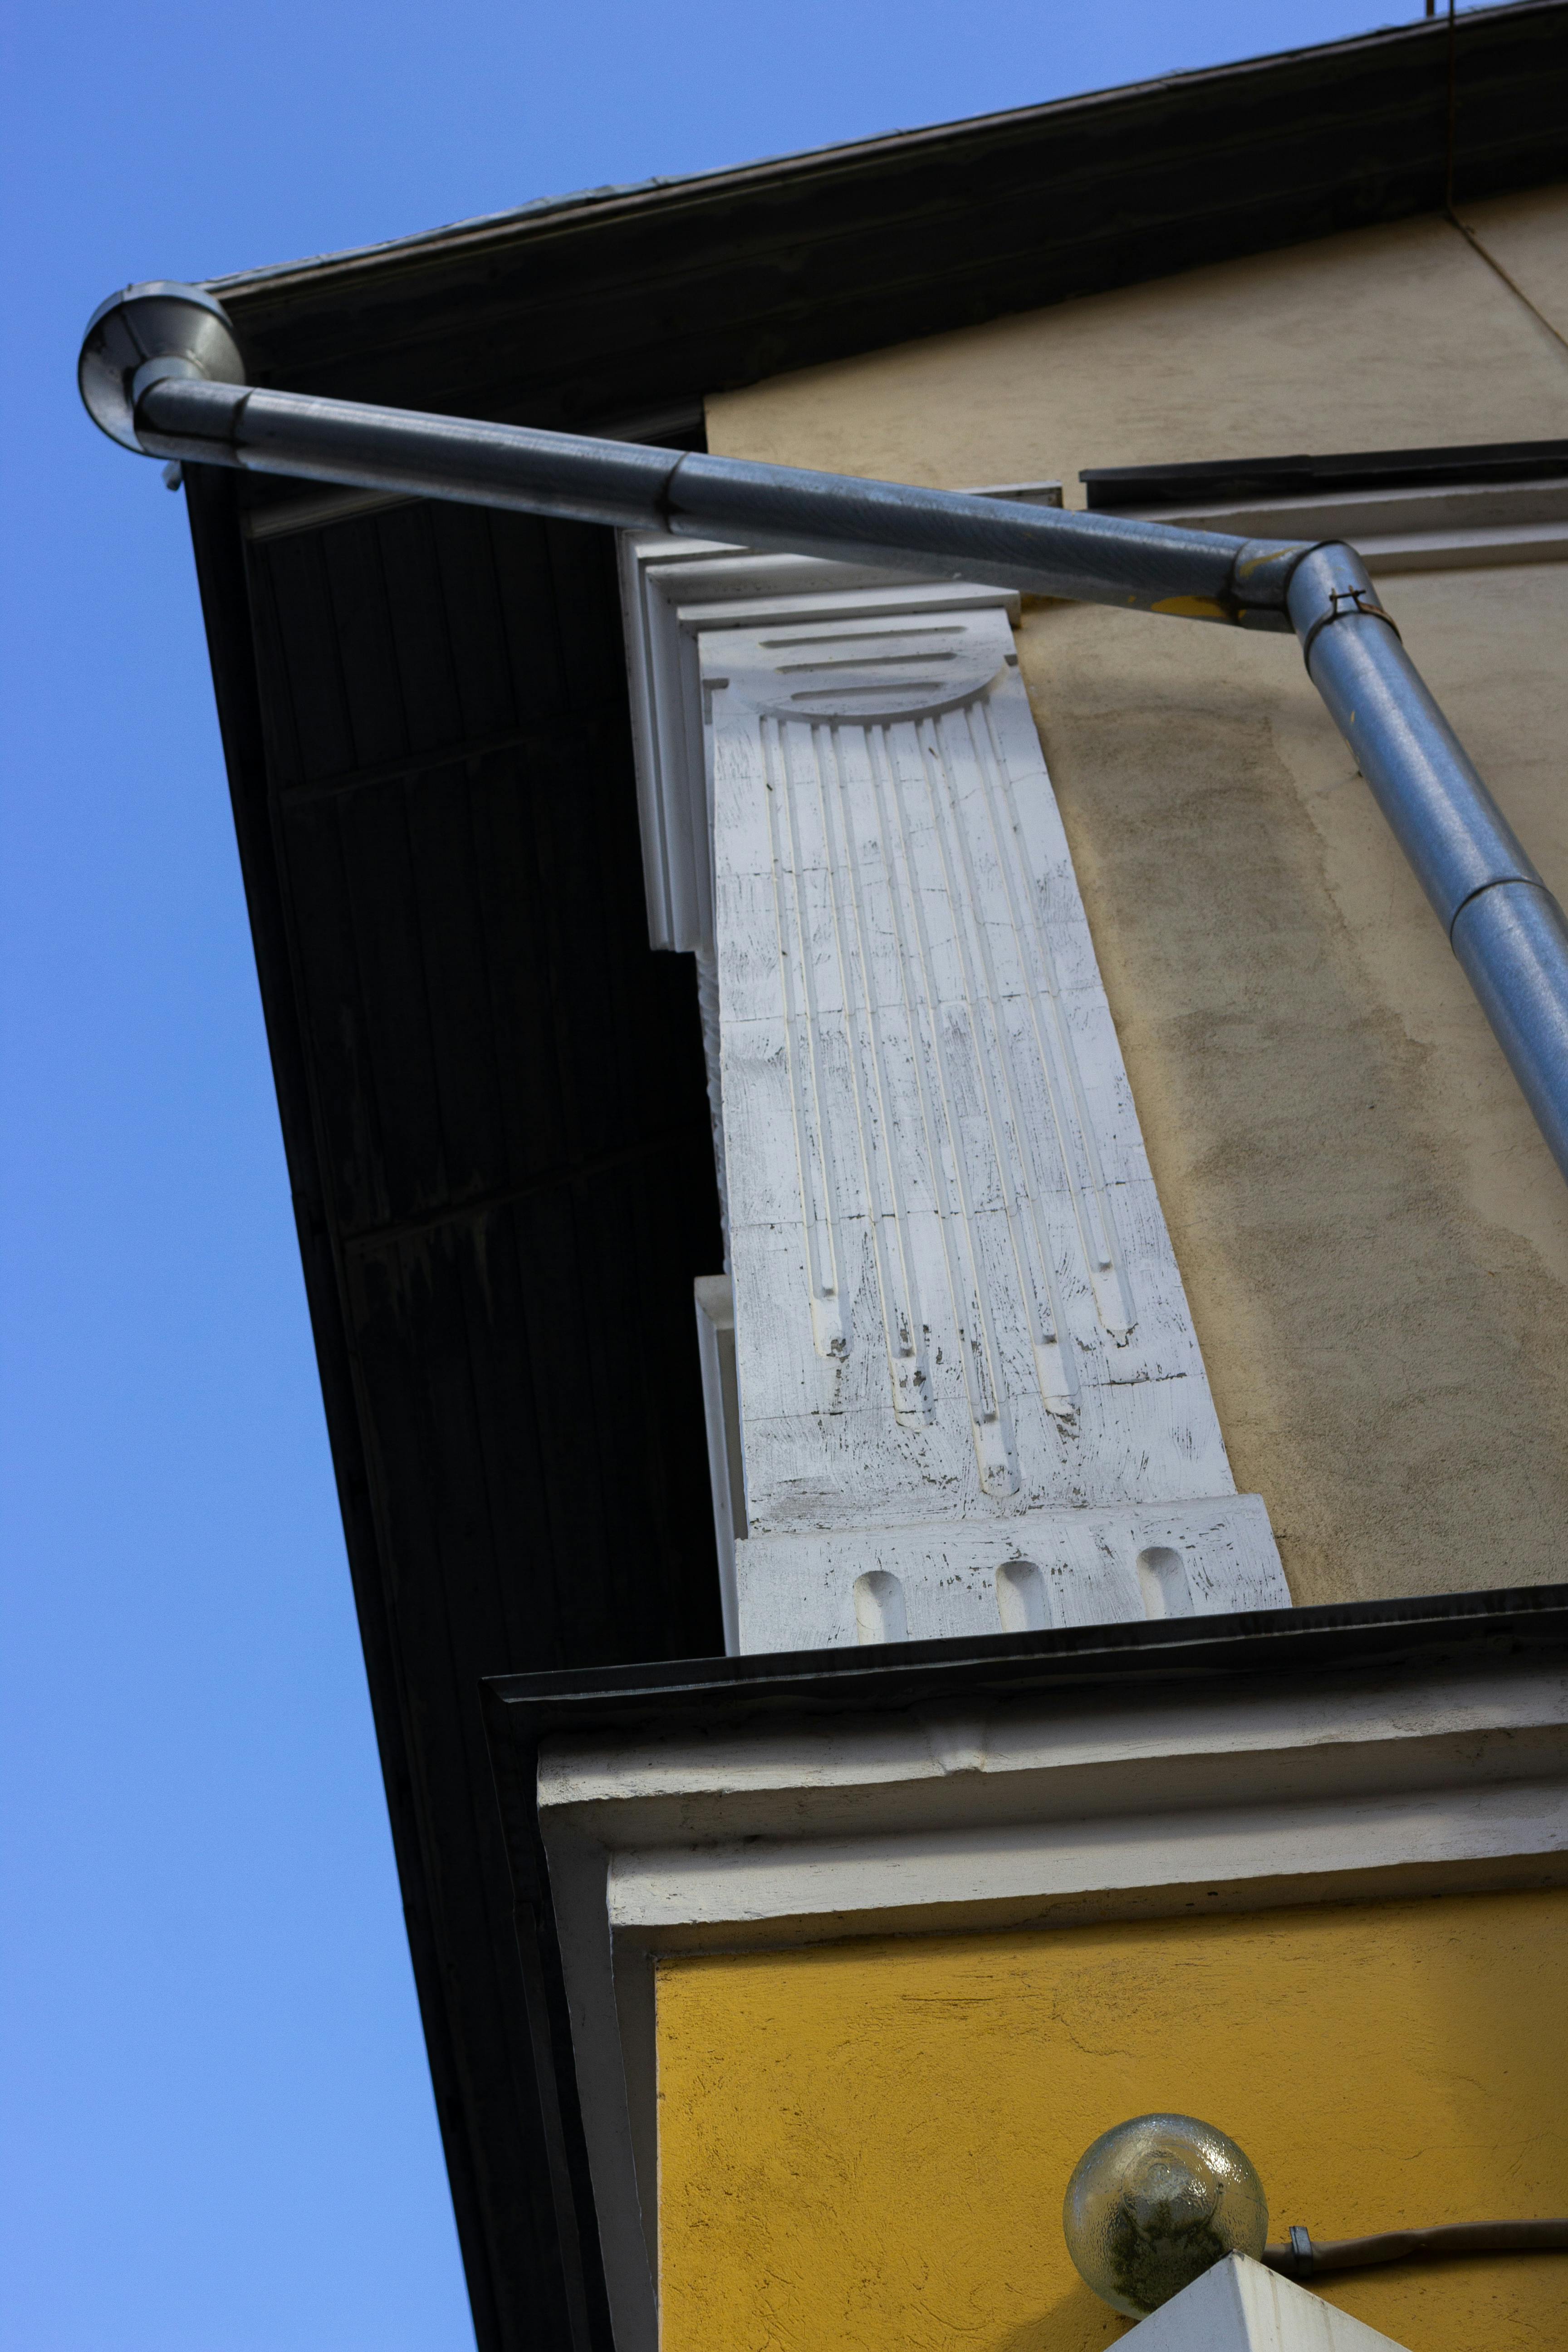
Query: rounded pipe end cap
(181, 330)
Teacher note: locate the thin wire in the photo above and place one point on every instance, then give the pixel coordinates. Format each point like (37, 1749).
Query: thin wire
(1465, 231)
(1492, 262)
(1453, 113)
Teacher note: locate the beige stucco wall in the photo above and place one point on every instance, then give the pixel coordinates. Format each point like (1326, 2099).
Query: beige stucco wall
(1387, 339)
(1373, 1234)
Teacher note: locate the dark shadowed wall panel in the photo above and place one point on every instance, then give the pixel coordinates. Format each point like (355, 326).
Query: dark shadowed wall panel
(494, 1107)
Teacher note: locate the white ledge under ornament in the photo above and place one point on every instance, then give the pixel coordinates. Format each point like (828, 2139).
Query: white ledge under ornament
(1240, 2306)
(969, 1392)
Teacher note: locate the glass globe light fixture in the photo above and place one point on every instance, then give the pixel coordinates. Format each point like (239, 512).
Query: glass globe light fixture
(1156, 2202)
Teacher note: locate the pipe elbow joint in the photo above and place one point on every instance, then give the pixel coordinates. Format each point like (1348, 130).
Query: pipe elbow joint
(149, 335)
(1302, 585)
(1260, 580)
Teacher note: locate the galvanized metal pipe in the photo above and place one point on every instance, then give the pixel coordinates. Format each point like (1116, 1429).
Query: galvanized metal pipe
(160, 372)
(1097, 558)
(1503, 923)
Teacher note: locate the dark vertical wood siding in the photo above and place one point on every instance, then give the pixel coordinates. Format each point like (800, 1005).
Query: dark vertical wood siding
(497, 1126)
(510, 1092)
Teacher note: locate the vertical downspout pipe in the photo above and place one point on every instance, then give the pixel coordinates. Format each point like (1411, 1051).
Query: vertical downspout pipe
(160, 372)
(1503, 923)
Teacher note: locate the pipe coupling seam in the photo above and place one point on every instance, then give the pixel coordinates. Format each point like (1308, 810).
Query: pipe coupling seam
(1290, 558)
(1344, 604)
(665, 502)
(1282, 570)
(1500, 882)
(235, 419)
(148, 381)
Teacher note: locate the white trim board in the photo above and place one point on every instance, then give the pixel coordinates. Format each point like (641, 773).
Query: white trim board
(1021, 1816)
(1241, 2306)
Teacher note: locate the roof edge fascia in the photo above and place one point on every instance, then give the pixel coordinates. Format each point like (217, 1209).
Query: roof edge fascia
(585, 210)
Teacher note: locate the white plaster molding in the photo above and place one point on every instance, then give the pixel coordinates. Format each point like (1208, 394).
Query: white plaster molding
(970, 1395)
(672, 590)
(1076, 1566)
(1240, 2306)
(1099, 1805)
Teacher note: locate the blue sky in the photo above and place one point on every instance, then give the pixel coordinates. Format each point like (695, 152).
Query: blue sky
(219, 2130)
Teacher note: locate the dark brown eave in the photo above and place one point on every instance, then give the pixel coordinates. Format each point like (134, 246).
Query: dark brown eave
(845, 161)
(626, 300)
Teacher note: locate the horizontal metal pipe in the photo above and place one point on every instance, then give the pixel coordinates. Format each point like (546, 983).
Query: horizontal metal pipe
(160, 372)
(400, 450)
(1095, 559)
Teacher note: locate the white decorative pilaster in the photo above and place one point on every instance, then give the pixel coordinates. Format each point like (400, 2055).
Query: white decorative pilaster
(970, 1395)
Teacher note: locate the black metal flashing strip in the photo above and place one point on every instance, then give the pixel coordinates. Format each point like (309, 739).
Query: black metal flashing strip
(1112, 489)
(1372, 1636)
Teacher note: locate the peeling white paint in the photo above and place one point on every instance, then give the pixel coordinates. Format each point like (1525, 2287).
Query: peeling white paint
(962, 1343)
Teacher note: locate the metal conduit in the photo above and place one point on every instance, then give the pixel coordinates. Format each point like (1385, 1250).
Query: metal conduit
(1303, 2256)
(160, 372)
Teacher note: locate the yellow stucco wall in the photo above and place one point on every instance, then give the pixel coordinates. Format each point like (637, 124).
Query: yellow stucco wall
(1374, 1236)
(864, 2146)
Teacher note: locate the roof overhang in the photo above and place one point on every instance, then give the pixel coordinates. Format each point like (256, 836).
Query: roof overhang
(437, 830)
(623, 303)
